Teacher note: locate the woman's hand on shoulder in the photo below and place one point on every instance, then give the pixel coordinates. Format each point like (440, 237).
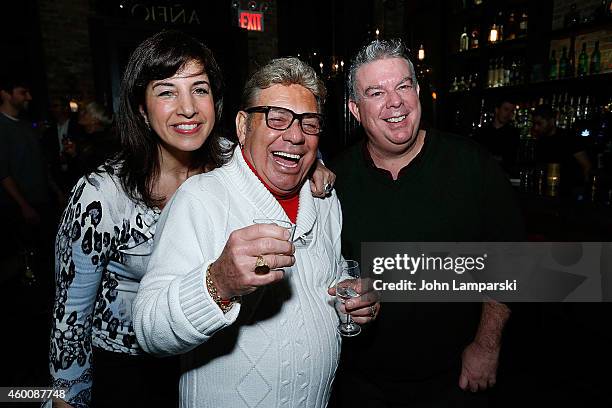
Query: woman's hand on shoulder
(322, 180)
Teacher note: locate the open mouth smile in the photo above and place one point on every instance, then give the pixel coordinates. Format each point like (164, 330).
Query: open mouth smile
(286, 159)
(395, 119)
(187, 128)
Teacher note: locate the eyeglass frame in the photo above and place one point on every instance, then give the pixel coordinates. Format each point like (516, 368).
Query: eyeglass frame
(299, 116)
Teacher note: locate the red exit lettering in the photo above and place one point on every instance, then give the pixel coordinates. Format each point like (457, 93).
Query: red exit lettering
(250, 21)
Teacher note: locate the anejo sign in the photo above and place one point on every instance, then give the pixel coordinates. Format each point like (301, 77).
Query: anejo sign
(251, 20)
(176, 14)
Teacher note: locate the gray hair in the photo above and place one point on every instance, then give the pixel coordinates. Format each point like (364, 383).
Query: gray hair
(284, 71)
(377, 50)
(100, 113)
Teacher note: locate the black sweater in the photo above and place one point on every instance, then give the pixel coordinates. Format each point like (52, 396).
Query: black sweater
(452, 191)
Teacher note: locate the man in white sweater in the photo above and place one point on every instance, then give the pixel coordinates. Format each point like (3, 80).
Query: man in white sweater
(248, 305)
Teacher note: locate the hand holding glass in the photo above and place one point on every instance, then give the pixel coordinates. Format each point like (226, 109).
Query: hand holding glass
(347, 288)
(283, 224)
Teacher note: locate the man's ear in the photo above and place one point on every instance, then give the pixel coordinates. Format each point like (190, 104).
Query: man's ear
(4, 95)
(354, 108)
(241, 126)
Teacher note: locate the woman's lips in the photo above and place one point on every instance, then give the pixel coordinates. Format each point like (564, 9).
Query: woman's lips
(187, 128)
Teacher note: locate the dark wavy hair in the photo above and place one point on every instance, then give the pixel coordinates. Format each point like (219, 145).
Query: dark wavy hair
(158, 57)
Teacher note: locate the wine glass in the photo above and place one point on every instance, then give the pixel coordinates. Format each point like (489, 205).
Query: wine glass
(346, 288)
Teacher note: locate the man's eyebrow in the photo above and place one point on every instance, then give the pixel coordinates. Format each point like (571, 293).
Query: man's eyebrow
(201, 82)
(377, 87)
(372, 87)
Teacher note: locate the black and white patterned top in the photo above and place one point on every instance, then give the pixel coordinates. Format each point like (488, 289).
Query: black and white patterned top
(101, 251)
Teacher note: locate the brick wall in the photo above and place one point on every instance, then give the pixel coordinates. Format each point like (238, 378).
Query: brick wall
(263, 46)
(562, 7)
(67, 55)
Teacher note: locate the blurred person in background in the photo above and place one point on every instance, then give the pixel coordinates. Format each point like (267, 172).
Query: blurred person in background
(63, 127)
(93, 144)
(554, 145)
(500, 137)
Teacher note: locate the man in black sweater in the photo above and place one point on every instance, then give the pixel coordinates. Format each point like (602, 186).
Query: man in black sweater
(405, 183)
(500, 137)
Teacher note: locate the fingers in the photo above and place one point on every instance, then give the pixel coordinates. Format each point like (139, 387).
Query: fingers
(492, 381)
(463, 381)
(322, 181)
(257, 231)
(277, 261)
(317, 189)
(362, 302)
(266, 246)
(364, 285)
(468, 382)
(274, 275)
(366, 315)
(473, 386)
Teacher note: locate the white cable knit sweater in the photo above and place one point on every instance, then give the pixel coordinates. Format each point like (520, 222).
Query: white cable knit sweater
(279, 347)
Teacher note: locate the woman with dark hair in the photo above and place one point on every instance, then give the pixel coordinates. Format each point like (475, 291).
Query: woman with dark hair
(168, 122)
(171, 99)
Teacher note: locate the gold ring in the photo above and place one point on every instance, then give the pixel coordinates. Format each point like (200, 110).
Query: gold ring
(261, 267)
(373, 310)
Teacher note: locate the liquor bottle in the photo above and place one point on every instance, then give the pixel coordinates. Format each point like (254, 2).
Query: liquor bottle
(586, 110)
(482, 113)
(474, 83)
(475, 37)
(553, 104)
(464, 41)
(454, 86)
(514, 74)
(500, 27)
(523, 24)
(520, 71)
(571, 57)
(583, 61)
(553, 72)
(491, 73)
(595, 60)
(506, 80)
(568, 115)
(580, 108)
(499, 72)
(571, 113)
(563, 64)
(462, 84)
(511, 27)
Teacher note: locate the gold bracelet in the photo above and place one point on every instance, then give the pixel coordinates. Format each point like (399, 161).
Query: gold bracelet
(224, 304)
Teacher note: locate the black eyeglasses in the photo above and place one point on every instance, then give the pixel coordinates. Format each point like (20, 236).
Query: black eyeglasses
(281, 119)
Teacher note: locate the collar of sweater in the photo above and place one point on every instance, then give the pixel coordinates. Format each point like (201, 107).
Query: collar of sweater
(252, 187)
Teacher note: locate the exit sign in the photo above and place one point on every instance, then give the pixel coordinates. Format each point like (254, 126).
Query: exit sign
(251, 20)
